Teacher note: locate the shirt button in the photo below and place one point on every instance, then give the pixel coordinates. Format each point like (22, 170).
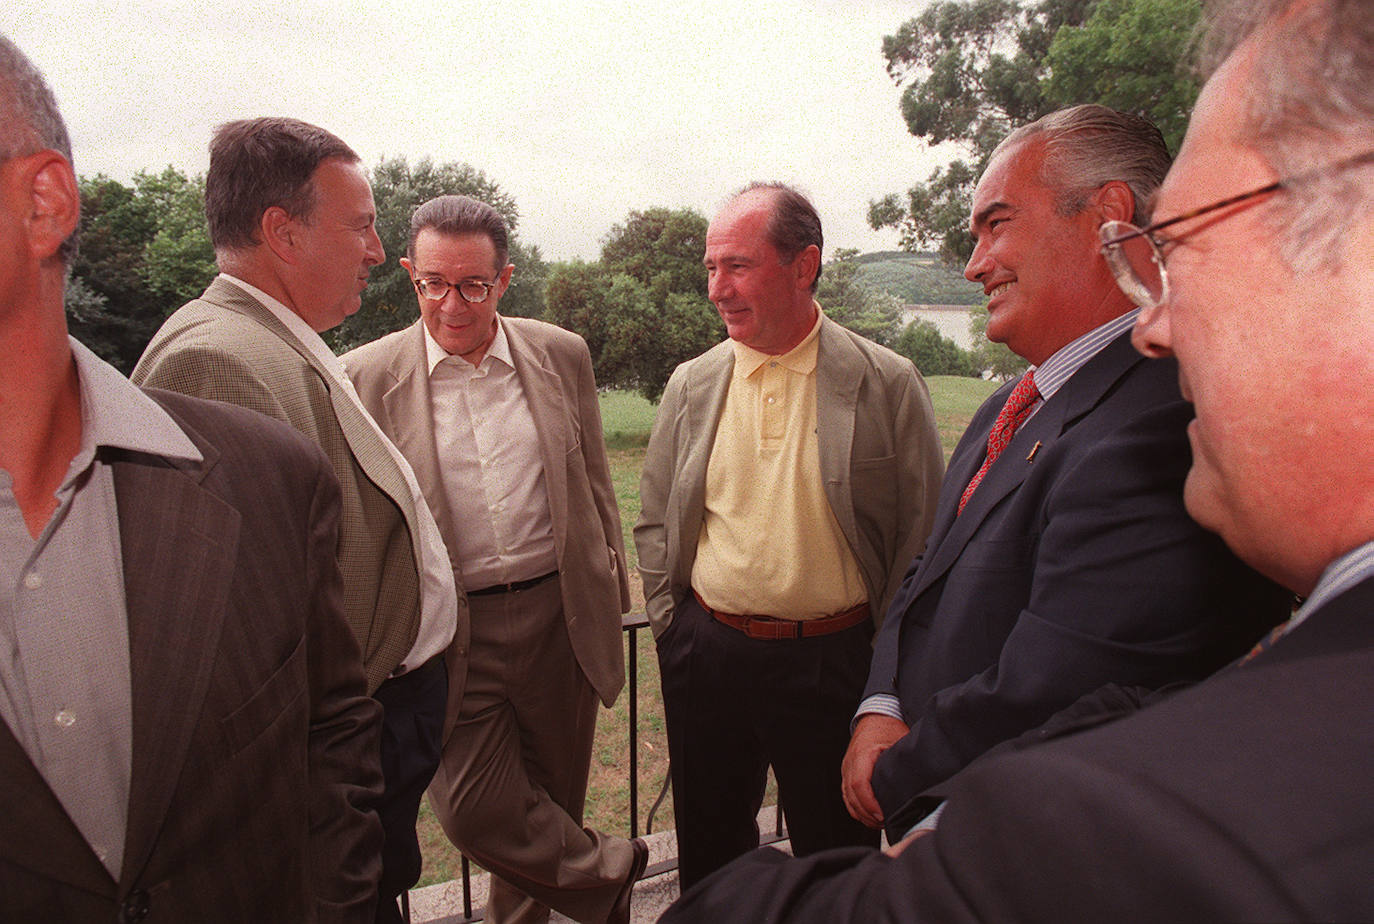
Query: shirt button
(33, 580)
(771, 399)
(65, 718)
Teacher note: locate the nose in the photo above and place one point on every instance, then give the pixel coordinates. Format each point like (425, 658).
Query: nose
(376, 253)
(1151, 334)
(716, 286)
(978, 263)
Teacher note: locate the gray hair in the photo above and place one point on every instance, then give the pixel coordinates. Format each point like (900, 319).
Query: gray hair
(1308, 102)
(794, 224)
(461, 215)
(1088, 146)
(32, 121)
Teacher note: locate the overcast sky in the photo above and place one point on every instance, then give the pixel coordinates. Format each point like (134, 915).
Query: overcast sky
(583, 111)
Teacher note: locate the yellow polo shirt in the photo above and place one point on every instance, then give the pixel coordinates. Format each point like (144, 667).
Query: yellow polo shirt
(769, 543)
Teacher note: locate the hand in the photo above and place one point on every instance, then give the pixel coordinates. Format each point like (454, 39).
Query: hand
(872, 735)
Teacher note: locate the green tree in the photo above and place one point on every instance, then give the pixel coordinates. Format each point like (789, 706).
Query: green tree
(661, 249)
(972, 70)
(850, 301)
(932, 352)
(398, 188)
(642, 307)
(144, 251)
(994, 359)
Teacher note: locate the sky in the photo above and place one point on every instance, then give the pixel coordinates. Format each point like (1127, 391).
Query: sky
(582, 111)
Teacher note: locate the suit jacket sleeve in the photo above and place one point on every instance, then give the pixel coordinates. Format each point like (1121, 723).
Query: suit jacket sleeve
(1106, 576)
(1039, 838)
(655, 487)
(345, 778)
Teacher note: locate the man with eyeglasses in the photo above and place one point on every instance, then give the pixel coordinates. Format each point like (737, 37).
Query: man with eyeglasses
(1245, 798)
(291, 218)
(1062, 558)
(499, 417)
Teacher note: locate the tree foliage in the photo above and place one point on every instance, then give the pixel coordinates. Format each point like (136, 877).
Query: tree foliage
(642, 306)
(398, 188)
(972, 70)
(993, 359)
(850, 301)
(933, 352)
(144, 250)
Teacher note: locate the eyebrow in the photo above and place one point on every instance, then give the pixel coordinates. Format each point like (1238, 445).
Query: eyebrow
(982, 215)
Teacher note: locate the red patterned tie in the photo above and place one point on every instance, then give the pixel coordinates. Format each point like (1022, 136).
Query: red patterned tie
(1013, 414)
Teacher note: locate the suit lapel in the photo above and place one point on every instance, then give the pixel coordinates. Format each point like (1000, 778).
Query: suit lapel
(708, 382)
(372, 456)
(35, 831)
(407, 405)
(837, 397)
(177, 581)
(543, 390)
(1077, 397)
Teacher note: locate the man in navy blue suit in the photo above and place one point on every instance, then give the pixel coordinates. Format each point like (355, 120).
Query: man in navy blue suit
(1245, 797)
(1061, 558)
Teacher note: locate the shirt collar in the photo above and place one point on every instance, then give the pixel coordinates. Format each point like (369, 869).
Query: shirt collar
(801, 359)
(1342, 574)
(1051, 375)
(498, 350)
(116, 413)
(306, 335)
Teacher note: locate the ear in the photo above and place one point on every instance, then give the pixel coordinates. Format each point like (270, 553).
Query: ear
(279, 232)
(54, 202)
(407, 265)
(503, 280)
(807, 265)
(1114, 201)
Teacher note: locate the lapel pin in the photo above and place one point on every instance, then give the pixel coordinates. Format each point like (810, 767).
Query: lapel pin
(1030, 456)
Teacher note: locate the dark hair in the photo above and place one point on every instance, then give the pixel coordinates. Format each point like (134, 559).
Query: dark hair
(1088, 146)
(31, 118)
(461, 215)
(794, 224)
(256, 164)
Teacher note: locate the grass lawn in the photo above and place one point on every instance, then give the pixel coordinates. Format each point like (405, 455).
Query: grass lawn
(626, 419)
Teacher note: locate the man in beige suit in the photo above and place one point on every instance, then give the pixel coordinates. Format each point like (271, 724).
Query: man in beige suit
(523, 495)
(790, 480)
(291, 217)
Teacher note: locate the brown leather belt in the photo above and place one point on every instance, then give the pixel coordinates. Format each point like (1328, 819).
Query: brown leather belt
(773, 629)
(511, 587)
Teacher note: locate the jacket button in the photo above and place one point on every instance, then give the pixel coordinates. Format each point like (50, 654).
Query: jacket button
(135, 907)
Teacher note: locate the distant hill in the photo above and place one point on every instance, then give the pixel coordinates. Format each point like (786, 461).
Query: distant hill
(917, 278)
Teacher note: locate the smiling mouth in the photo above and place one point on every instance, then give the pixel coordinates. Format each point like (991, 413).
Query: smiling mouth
(1001, 289)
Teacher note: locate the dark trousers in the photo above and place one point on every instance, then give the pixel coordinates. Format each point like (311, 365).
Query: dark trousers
(736, 705)
(412, 729)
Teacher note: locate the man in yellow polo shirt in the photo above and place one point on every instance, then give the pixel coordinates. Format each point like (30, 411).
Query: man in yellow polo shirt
(790, 479)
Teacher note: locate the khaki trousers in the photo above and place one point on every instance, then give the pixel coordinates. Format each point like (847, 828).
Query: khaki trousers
(511, 784)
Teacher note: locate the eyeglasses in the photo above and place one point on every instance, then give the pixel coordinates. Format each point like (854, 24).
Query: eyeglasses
(472, 290)
(1134, 254)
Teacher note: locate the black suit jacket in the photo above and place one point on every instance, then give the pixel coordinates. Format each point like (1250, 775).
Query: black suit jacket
(1245, 798)
(255, 757)
(1074, 565)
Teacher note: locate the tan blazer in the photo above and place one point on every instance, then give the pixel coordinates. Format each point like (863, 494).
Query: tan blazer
(880, 459)
(227, 346)
(555, 371)
(255, 764)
